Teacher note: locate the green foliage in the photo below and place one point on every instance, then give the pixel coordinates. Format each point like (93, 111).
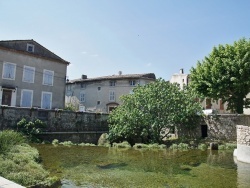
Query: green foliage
(124, 144)
(151, 111)
(31, 128)
(202, 146)
(227, 146)
(10, 138)
(55, 142)
(224, 74)
(180, 146)
(18, 161)
(70, 107)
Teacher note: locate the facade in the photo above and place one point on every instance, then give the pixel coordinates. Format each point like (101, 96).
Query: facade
(102, 94)
(31, 75)
(216, 105)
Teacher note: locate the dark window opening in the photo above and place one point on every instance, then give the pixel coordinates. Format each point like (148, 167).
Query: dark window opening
(203, 131)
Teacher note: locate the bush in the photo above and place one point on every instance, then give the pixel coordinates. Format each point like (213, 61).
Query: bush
(227, 146)
(20, 165)
(30, 129)
(55, 142)
(124, 144)
(140, 146)
(8, 139)
(202, 146)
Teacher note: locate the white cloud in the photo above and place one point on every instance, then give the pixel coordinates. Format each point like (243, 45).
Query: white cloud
(148, 64)
(83, 52)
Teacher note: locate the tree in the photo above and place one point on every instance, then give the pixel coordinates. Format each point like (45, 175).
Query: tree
(151, 112)
(224, 74)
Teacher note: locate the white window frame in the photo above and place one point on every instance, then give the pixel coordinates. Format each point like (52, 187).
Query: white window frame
(112, 83)
(46, 77)
(31, 99)
(132, 82)
(32, 47)
(4, 71)
(25, 74)
(42, 97)
(82, 97)
(111, 95)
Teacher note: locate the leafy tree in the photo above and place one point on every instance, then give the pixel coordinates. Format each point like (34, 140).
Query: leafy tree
(224, 74)
(151, 111)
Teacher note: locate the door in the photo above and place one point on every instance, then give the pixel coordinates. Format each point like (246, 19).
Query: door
(6, 97)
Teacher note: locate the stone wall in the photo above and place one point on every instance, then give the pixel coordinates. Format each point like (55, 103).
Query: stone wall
(223, 126)
(243, 135)
(243, 144)
(61, 125)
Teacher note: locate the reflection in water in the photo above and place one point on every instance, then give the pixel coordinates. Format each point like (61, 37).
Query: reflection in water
(243, 174)
(98, 167)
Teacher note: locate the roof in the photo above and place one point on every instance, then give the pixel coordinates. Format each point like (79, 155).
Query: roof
(148, 76)
(39, 50)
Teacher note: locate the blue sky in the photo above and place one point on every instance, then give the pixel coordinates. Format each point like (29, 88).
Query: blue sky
(103, 37)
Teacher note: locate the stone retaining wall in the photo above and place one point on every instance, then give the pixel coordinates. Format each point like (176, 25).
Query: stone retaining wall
(223, 126)
(243, 144)
(61, 125)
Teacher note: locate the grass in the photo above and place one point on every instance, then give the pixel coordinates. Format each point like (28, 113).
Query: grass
(19, 161)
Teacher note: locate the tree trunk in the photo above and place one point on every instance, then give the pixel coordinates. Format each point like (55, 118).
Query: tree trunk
(239, 104)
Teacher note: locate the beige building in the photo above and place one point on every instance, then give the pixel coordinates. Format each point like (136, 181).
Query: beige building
(216, 105)
(102, 94)
(31, 75)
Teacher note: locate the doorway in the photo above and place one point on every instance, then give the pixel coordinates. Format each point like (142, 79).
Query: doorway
(203, 131)
(6, 97)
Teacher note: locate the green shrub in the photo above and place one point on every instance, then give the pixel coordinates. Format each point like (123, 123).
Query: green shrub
(202, 146)
(30, 129)
(183, 146)
(86, 144)
(55, 142)
(173, 146)
(67, 143)
(19, 165)
(124, 144)
(227, 146)
(10, 138)
(140, 146)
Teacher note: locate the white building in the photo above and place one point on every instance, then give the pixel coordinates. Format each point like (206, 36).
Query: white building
(102, 94)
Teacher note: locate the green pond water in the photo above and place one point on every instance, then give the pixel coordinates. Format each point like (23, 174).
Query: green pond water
(82, 166)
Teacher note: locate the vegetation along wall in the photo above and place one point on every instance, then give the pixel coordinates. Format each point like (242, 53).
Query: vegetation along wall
(62, 125)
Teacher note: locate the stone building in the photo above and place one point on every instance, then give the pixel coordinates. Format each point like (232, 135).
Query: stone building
(216, 105)
(32, 76)
(102, 94)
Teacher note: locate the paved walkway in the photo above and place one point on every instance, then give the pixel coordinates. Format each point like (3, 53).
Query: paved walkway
(4, 183)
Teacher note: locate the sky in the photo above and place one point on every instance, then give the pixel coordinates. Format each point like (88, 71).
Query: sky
(103, 37)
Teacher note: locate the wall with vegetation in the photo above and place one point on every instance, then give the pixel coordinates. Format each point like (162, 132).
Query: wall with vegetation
(61, 125)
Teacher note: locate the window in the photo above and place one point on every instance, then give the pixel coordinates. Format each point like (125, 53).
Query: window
(111, 95)
(112, 83)
(46, 100)
(48, 77)
(82, 97)
(28, 74)
(132, 82)
(9, 71)
(99, 88)
(69, 87)
(83, 86)
(30, 47)
(26, 98)
(98, 102)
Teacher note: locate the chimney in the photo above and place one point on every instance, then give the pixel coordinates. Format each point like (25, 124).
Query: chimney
(84, 76)
(181, 71)
(120, 73)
